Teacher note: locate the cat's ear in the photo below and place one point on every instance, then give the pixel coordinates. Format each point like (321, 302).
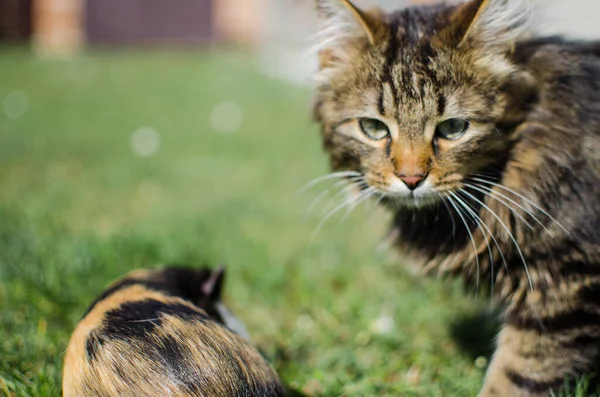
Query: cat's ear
(212, 287)
(342, 26)
(493, 24)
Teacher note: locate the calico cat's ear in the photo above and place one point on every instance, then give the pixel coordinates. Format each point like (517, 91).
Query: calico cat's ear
(342, 25)
(212, 287)
(492, 24)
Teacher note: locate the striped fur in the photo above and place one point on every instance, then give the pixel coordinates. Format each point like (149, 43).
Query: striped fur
(159, 333)
(511, 205)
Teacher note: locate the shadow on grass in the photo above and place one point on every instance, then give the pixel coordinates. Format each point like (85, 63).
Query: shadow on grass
(295, 393)
(474, 333)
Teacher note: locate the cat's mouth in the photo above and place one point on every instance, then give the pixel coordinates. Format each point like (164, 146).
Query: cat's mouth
(399, 194)
(413, 201)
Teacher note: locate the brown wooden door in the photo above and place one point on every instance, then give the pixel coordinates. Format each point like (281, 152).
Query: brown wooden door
(149, 21)
(15, 20)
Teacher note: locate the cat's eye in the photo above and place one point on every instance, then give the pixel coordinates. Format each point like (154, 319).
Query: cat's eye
(452, 128)
(374, 129)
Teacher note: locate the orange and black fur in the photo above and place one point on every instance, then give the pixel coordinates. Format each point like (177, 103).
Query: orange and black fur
(484, 141)
(163, 333)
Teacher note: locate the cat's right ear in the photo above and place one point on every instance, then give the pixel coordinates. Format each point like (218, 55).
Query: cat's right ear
(343, 28)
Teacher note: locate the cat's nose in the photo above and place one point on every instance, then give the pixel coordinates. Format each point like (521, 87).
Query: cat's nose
(412, 181)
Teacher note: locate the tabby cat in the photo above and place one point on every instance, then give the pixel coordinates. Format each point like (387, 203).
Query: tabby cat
(484, 141)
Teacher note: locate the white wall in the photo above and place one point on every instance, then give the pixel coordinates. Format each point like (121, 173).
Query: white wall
(574, 18)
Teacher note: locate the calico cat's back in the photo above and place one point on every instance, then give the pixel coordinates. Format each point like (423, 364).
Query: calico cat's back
(159, 333)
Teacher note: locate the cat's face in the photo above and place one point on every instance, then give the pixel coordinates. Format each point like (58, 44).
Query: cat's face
(414, 112)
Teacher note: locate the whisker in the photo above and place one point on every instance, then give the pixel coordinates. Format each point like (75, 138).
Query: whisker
(335, 210)
(365, 194)
(381, 197)
(490, 194)
(345, 181)
(470, 236)
(449, 212)
(510, 235)
(314, 202)
(347, 189)
(147, 320)
(528, 212)
(340, 174)
(501, 186)
(480, 221)
(481, 225)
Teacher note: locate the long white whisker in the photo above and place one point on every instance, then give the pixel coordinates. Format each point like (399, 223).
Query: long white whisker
(146, 320)
(363, 196)
(335, 210)
(346, 181)
(510, 235)
(528, 212)
(317, 199)
(478, 221)
(381, 197)
(450, 213)
(347, 189)
(470, 236)
(489, 233)
(341, 174)
(481, 225)
(313, 203)
(500, 186)
(490, 194)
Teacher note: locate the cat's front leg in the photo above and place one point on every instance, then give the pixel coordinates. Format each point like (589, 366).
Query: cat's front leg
(537, 354)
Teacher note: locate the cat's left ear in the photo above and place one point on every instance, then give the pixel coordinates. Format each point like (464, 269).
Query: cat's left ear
(491, 24)
(343, 28)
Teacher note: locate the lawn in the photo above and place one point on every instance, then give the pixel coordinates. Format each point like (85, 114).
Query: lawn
(116, 161)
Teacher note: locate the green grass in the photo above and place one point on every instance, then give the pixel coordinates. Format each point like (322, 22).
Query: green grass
(78, 209)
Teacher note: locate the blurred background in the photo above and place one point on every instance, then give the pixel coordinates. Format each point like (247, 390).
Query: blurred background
(135, 133)
(278, 30)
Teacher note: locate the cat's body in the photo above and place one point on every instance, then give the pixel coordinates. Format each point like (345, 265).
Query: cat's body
(514, 176)
(161, 333)
(551, 288)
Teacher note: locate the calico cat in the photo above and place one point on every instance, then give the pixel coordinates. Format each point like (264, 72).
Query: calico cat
(484, 141)
(165, 333)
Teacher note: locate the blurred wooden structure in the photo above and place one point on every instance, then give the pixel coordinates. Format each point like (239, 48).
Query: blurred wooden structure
(240, 21)
(171, 22)
(58, 26)
(62, 27)
(15, 20)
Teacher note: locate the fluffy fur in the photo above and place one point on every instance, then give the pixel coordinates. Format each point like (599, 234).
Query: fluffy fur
(160, 333)
(511, 204)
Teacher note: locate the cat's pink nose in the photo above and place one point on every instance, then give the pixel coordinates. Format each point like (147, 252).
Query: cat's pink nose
(412, 181)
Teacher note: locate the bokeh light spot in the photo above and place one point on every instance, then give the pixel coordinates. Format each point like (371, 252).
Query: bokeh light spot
(383, 324)
(227, 117)
(145, 141)
(15, 104)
